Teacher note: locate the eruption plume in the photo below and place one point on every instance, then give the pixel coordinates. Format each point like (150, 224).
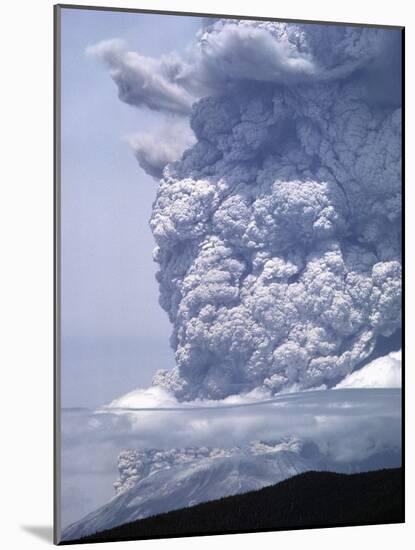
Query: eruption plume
(278, 231)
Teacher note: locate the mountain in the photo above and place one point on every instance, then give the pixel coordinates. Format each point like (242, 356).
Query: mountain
(155, 481)
(312, 499)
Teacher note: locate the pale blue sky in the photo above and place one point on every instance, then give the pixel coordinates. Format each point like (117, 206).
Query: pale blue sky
(114, 333)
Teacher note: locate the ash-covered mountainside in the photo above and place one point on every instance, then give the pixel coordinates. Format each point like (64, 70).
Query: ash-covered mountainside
(312, 499)
(156, 481)
(278, 232)
(159, 480)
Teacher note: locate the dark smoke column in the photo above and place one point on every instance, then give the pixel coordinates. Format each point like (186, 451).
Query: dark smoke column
(278, 232)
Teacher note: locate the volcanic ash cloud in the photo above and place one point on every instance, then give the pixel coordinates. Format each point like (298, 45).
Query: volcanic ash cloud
(278, 231)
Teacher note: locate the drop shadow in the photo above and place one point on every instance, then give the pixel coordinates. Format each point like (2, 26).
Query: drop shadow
(43, 532)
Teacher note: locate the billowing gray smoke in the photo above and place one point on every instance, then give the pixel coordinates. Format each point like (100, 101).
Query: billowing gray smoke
(278, 232)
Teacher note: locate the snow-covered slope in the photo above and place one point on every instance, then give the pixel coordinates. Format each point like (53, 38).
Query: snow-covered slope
(157, 481)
